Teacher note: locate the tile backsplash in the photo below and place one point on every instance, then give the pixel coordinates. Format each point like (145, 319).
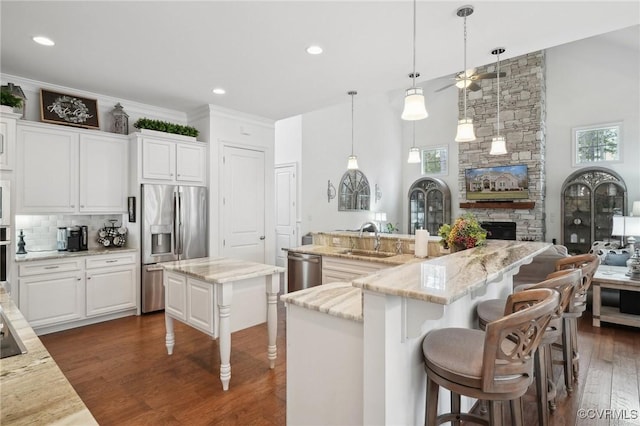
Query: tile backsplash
(40, 230)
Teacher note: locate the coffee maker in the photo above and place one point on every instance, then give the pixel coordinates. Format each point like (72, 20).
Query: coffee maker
(74, 237)
(62, 239)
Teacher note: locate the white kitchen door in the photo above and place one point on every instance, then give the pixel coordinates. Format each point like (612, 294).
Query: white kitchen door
(243, 210)
(286, 205)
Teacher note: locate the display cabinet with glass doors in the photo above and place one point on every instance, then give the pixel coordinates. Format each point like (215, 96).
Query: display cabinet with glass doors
(590, 198)
(429, 205)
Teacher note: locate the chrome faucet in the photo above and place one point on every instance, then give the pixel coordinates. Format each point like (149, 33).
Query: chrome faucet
(376, 244)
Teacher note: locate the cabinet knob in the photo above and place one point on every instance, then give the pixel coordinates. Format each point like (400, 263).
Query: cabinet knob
(73, 206)
(81, 206)
(262, 237)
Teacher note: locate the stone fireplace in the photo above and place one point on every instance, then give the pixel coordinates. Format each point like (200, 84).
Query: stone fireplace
(522, 122)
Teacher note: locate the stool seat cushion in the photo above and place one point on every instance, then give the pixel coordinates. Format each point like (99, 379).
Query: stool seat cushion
(490, 310)
(455, 352)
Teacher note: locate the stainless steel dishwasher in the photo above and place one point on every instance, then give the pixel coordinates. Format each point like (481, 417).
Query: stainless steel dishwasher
(303, 271)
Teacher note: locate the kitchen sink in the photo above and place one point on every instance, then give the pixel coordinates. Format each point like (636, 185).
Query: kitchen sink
(368, 253)
(10, 343)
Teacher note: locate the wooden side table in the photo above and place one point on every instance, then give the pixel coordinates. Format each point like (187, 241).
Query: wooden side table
(612, 277)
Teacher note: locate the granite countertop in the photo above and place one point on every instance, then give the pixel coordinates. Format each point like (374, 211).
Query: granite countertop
(54, 254)
(219, 270)
(32, 388)
(339, 299)
(448, 278)
(392, 259)
(367, 234)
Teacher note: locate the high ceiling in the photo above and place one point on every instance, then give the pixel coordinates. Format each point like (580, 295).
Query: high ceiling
(173, 53)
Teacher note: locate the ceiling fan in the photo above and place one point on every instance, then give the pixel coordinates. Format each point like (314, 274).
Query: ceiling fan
(469, 77)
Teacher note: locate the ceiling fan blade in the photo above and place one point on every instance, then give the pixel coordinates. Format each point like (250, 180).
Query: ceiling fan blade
(474, 87)
(445, 87)
(486, 75)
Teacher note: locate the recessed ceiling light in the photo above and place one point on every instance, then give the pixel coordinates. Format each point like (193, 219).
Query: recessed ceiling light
(45, 41)
(219, 91)
(314, 50)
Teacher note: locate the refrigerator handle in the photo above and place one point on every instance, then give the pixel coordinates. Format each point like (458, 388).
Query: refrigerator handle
(180, 213)
(176, 218)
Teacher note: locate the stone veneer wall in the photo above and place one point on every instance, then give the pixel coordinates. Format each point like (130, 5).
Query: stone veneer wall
(522, 122)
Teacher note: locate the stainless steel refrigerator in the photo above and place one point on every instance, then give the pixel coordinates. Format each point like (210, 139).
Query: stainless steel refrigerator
(173, 227)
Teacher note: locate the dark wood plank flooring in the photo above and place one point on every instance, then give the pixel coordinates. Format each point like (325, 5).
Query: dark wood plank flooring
(121, 371)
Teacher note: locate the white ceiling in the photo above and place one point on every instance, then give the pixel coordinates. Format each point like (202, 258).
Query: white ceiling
(172, 53)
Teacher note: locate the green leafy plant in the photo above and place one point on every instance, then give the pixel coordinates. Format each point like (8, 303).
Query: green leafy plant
(8, 99)
(164, 126)
(391, 228)
(465, 233)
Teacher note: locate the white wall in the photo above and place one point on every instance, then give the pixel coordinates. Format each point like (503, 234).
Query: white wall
(592, 81)
(439, 129)
(588, 82)
(288, 133)
(134, 110)
(326, 144)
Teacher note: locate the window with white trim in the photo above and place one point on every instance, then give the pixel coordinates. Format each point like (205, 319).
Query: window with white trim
(596, 144)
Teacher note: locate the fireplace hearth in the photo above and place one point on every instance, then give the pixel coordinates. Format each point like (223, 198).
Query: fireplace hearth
(500, 230)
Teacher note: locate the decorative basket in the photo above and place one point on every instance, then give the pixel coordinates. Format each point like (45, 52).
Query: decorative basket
(112, 235)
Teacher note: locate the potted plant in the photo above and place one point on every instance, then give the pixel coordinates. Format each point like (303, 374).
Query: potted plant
(164, 126)
(9, 101)
(465, 233)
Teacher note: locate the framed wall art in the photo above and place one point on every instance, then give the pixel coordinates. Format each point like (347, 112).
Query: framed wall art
(435, 161)
(61, 108)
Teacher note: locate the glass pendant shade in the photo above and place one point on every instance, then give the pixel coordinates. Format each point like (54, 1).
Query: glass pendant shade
(414, 108)
(414, 155)
(465, 131)
(352, 163)
(498, 146)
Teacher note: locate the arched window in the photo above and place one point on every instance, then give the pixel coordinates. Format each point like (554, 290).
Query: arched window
(354, 191)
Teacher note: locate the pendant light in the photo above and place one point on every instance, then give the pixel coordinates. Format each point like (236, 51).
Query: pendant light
(414, 108)
(352, 163)
(414, 153)
(465, 126)
(498, 143)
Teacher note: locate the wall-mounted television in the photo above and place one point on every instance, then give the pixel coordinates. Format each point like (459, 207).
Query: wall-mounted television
(497, 183)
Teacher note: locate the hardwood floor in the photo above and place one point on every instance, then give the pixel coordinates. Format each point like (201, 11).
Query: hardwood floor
(121, 371)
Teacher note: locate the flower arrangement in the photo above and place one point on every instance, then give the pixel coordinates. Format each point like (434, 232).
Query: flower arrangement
(465, 233)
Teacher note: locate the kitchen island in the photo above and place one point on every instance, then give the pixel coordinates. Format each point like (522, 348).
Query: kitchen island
(32, 388)
(362, 354)
(199, 293)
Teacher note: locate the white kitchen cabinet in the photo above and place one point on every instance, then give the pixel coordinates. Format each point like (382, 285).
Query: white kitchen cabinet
(175, 295)
(201, 305)
(7, 140)
(191, 301)
(341, 269)
(103, 174)
(49, 298)
(169, 161)
(47, 170)
(190, 163)
(111, 283)
(61, 293)
(158, 159)
(70, 171)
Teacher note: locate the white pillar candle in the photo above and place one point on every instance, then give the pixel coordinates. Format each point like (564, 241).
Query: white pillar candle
(422, 243)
